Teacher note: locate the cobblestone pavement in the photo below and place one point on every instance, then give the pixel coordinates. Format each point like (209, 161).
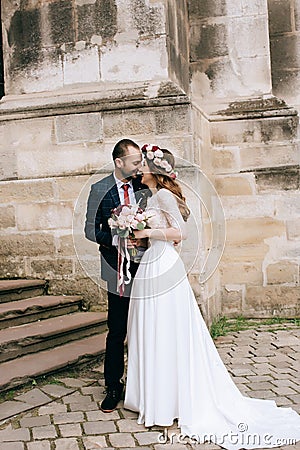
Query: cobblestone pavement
(66, 415)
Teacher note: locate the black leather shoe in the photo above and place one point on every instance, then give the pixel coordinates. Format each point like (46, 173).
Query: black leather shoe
(113, 396)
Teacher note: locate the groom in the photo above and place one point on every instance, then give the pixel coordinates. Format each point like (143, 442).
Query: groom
(123, 186)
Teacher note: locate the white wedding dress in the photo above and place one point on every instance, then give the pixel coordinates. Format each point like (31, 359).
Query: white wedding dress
(174, 369)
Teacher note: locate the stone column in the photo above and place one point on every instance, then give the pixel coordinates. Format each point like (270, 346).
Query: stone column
(229, 50)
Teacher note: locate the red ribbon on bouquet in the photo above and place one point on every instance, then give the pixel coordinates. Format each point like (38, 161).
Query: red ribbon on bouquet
(122, 255)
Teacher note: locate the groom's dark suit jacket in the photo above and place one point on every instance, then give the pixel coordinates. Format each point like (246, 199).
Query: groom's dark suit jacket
(103, 198)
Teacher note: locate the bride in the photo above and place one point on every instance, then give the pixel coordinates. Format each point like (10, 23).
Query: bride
(174, 369)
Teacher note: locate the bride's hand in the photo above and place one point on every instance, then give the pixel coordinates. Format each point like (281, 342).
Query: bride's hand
(140, 234)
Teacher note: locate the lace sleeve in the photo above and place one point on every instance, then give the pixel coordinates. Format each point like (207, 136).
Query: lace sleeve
(169, 207)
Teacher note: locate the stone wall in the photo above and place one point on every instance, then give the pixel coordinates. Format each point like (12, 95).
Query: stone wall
(54, 44)
(284, 23)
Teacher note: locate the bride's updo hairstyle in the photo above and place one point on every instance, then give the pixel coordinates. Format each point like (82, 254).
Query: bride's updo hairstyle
(161, 162)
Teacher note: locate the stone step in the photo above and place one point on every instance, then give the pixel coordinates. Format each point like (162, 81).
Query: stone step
(21, 370)
(43, 334)
(36, 308)
(19, 289)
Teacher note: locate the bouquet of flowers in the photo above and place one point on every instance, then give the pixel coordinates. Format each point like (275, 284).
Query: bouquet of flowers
(124, 220)
(127, 218)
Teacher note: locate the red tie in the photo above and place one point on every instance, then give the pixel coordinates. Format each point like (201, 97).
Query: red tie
(126, 194)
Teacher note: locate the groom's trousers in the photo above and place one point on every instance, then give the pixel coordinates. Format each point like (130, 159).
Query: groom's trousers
(117, 330)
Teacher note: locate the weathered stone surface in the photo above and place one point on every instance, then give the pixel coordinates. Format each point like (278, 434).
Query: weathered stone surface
(175, 120)
(78, 128)
(52, 268)
(241, 273)
(280, 16)
(69, 188)
(225, 160)
(283, 272)
(231, 300)
(235, 185)
(208, 41)
(255, 131)
(260, 156)
(35, 397)
(277, 300)
(199, 9)
(27, 190)
(285, 51)
(293, 229)
(7, 217)
(44, 216)
(44, 432)
(98, 18)
(253, 231)
(30, 422)
(27, 244)
(129, 122)
(280, 178)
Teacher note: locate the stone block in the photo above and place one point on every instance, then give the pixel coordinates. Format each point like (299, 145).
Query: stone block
(288, 206)
(44, 216)
(14, 446)
(225, 160)
(130, 123)
(244, 253)
(297, 15)
(26, 191)
(200, 9)
(70, 430)
(99, 427)
(121, 440)
(272, 300)
(69, 188)
(7, 217)
(255, 131)
(293, 229)
(235, 185)
(51, 268)
(12, 267)
(265, 155)
(30, 422)
(279, 179)
(128, 63)
(75, 66)
(208, 41)
(70, 417)
(285, 50)
(65, 245)
(282, 272)
(65, 159)
(10, 434)
(84, 287)
(66, 444)
(252, 206)
(174, 119)
(86, 127)
(97, 18)
(60, 16)
(27, 244)
(92, 442)
(253, 230)
(280, 16)
(232, 300)
(41, 445)
(239, 31)
(241, 273)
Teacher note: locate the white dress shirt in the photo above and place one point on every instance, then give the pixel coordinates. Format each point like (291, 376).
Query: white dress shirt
(119, 184)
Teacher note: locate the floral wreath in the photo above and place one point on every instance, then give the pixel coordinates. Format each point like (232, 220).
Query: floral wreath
(156, 155)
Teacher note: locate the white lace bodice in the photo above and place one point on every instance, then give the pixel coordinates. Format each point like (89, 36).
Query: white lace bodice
(165, 212)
